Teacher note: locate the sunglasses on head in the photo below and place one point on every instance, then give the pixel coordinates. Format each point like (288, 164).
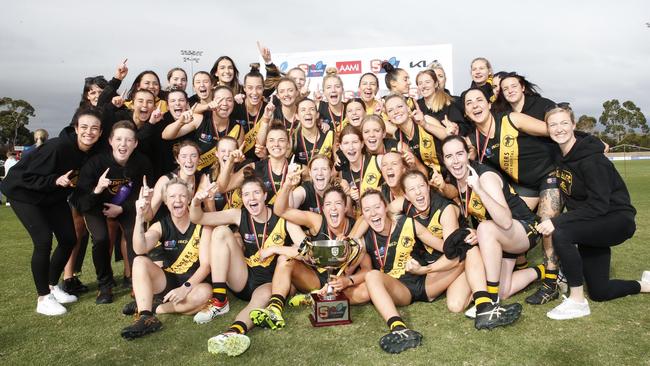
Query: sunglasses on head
(94, 79)
(563, 105)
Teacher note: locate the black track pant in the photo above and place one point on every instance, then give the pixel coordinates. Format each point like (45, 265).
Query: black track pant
(592, 256)
(41, 222)
(98, 229)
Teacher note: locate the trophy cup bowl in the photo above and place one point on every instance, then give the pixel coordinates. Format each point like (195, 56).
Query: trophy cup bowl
(330, 255)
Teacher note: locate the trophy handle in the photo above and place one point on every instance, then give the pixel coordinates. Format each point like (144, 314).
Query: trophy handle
(353, 252)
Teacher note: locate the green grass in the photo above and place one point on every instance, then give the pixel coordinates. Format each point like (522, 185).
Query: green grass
(617, 332)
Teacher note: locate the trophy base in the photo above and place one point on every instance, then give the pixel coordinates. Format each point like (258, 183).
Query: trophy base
(330, 312)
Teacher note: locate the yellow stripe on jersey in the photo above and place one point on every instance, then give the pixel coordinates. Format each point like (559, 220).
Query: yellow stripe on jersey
(276, 238)
(207, 159)
(326, 146)
(404, 247)
(189, 255)
(371, 175)
(428, 149)
(250, 138)
(509, 148)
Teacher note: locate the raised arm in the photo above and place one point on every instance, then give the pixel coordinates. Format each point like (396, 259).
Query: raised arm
(281, 207)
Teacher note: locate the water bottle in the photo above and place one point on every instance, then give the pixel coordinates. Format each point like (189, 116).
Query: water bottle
(122, 193)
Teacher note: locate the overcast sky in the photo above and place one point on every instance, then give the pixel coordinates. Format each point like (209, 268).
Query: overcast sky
(583, 52)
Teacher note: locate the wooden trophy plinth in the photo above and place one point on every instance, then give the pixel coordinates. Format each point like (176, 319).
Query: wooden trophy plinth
(325, 312)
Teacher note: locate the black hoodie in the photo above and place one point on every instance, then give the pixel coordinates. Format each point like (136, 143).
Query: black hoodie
(590, 184)
(84, 199)
(33, 178)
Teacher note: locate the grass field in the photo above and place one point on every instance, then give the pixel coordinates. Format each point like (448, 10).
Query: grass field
(617, 332)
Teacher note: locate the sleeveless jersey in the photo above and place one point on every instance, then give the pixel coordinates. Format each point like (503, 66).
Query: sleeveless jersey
(206, 137)
(525, 159)
(255, 238)
(390, 254)
(178, 251)
(303, 149)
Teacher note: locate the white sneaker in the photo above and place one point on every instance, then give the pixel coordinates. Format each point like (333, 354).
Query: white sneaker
(61, 296)
(49, 306)
(471, 312)
(213, 309)
(645, 277)
(232, 344)
(569, 309)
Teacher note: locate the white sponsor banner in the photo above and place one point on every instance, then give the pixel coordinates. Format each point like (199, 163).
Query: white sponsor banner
(353, 63)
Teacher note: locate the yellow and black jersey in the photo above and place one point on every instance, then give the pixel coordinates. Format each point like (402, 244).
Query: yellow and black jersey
(250, 125)
(257, 236)
(206, 137)
(472, 206)
(424, 145)
(431, 220)
(390, 254)
(525, 159)
(312, 200)
(388, 193)
(179, 252)
(304, 149)
(272, 182)
(324, 233)
(327, 116)
(368, 177)
(228, 200)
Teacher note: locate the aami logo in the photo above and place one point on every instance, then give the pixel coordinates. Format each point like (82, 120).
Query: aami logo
(375, 65)
(348, 67)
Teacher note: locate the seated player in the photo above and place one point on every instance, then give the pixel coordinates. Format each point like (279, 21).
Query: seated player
(388, 244)
(240, 266)
(184, 250)
(329, 225)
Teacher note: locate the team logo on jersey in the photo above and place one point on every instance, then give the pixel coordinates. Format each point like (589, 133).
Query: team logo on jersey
(242, 122)
(250, 238)
(508, 140)
(169, 244)
(277, 239)
(371, 178)
(314, 209)
(426, 143)
(407, 242)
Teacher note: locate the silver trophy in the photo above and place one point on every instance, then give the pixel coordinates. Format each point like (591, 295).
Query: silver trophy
(330, 255)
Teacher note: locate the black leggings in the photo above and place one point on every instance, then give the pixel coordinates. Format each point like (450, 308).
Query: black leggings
(591, 258)
(98, 229)
(41, 222)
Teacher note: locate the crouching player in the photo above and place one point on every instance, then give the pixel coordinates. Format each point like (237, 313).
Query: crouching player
(183, 248)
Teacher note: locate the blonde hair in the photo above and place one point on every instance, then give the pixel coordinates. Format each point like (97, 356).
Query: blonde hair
(331, 73)
(440, 98)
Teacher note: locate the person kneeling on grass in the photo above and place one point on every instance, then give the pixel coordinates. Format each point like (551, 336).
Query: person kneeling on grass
(184, 250)
(599, 216)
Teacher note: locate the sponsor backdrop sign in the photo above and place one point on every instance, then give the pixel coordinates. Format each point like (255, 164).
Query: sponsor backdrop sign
(353, 63)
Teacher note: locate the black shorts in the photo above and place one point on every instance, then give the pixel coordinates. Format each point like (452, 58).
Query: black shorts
(256, 277)
(548, 182)
(173, 281)
(533, 237)
(416, 286)
(322, 277)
